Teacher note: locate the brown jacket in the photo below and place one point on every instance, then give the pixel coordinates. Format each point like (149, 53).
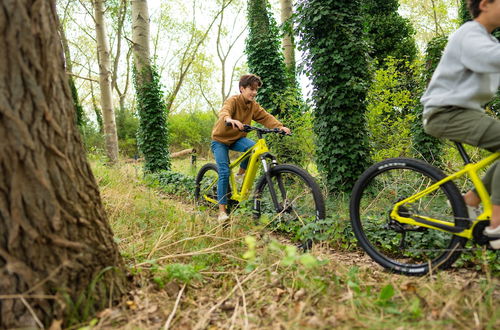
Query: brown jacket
(236, 107)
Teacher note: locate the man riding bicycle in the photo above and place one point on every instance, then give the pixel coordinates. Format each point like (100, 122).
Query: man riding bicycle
(237, 111)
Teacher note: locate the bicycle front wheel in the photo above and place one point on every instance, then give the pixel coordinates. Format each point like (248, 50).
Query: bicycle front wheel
(401, 248)
(299, 198)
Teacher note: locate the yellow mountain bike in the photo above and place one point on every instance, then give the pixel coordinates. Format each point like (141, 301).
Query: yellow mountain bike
(410, 217)
(286, 194)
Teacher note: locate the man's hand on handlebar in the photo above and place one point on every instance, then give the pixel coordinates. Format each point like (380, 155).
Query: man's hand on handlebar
(234, 123)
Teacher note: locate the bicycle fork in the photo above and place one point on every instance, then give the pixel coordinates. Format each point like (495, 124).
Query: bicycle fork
(272, 190)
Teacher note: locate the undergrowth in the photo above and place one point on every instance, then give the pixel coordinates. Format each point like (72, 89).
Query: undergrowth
(192, 272)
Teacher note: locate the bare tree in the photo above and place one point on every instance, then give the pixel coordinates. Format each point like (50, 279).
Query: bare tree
(223, 54)
(190, 52)
(55, 238)
(122, 14)
(108, 113)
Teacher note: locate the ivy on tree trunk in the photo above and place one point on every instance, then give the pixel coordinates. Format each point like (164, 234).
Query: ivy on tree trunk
(331, 36)
(152, 134)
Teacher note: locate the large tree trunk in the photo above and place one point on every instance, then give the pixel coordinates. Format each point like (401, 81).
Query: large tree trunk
(105, 83)
(288, 43)
(54, 236)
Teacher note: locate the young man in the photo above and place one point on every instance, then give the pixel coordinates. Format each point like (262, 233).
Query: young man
(238, 110)
(467, 77)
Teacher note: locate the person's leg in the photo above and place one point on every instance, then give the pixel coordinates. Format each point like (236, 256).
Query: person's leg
(242, 145)
(220, 151)
(490, 140)
(478, 129)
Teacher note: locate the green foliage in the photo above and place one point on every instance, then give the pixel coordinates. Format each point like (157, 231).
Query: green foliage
(85, 305)
(299, 147)
(389, 34)
(338, 68)
(171, 182)
(80, 114)
(93, 139)
(127, 125)
(387, 121)
(463, 12)
(153, 130)
(191, 130)
(183, 273)
(428, 147)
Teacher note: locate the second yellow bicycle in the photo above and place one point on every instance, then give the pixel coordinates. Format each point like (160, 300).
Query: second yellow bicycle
(411, 218)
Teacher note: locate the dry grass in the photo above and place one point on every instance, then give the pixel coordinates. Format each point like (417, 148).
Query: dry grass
(272, 289)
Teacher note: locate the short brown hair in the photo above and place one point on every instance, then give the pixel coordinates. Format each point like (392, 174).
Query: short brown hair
(474, 7)
(250, 80)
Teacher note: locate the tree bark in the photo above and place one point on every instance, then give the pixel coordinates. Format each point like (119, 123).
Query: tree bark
(140, 38)
(108, 112)
(287, 41)
(55, 241)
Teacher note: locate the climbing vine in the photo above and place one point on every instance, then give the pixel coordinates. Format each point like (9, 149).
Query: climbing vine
(331, 36)
(279, 94)
(152, 134)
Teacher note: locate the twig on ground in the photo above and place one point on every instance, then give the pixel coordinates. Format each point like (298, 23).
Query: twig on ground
(40, 324)
(244, 300)
(233, 318)
(171, 316)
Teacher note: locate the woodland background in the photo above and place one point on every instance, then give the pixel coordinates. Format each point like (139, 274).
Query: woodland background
(120, 243)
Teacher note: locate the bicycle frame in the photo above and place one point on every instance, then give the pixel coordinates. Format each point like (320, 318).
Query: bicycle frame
(254, 153)
(470, 169)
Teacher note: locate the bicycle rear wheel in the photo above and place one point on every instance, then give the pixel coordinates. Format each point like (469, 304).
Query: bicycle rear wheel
(300, 200)
(401, 248)
(205, 191)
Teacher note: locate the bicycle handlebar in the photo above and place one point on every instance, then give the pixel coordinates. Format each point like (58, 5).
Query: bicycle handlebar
(260, 131)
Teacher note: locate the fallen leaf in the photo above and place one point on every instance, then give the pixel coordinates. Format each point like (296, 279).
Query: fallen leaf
(56, 325)
(131, 305)
(299, 294)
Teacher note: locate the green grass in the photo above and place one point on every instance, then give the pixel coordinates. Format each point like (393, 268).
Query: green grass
(224, 279)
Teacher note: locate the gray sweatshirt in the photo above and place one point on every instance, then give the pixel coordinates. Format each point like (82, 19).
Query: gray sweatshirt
(468, 75)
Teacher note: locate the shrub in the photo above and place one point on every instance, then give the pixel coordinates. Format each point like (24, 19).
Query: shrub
(389, 125)
(191, 130)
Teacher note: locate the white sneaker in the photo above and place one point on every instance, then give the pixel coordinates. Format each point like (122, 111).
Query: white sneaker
(222, 217)
(493, 233)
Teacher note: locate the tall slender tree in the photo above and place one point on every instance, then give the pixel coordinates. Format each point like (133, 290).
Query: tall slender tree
(56, 246)
(153, 137)
(338, 68)
(288, 40)
(80, 115)
(108, 112)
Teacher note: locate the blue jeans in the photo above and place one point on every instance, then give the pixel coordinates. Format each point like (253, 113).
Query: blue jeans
(221, 154)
